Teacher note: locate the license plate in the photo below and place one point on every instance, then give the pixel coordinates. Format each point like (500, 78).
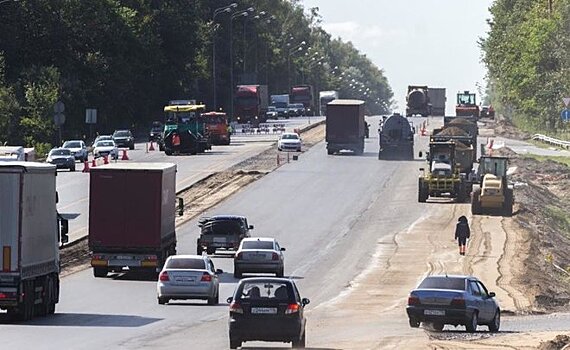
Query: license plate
(264, 310)
(434, 312)
(257, 256)
(185, 279)
(123, 257)
(220, 240)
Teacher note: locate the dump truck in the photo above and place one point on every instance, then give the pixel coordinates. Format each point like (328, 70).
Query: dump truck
(467, 105)
(417, 101)
(396, 138)
(345, 128)
(132, 208)
(250, 104)
(443, 177)
(493, 192)
(437, 100)
(31, 232)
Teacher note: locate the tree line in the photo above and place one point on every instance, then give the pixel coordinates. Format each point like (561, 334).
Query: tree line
(526, 53)
(128, 58)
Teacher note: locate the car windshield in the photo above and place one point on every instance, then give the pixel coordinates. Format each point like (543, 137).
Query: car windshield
(186, 263)
(222, 227)
(122, 134)
(257, 245)
(72, 144)
(264, 290)
(105, 144)
(455, 283)
(215, 120)
(60, 152)
(290, 137)
(271, 109)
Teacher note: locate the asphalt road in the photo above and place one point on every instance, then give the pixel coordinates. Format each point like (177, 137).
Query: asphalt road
(73, 187)
(328, 211)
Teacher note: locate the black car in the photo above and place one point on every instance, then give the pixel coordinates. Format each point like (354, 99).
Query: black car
(296, 110)
(61, 158)
(267, 309)
(221, 232)
(124, 138)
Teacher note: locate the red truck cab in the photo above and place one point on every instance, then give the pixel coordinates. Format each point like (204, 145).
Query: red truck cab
(250, 103)
(217, 127)
(303, 94)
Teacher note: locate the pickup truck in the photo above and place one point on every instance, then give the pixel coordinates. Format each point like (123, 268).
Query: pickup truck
(222, 232)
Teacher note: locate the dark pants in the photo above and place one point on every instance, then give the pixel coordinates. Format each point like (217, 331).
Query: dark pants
(462, 241)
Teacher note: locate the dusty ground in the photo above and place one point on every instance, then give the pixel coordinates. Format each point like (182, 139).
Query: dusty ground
(206, 193)
(520, 258)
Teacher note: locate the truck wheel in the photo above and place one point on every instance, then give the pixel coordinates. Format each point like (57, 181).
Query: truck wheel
(476, 202)
(461, 193)
(422, 192)
(43, 308)
(100, 272)
(199, 250)
(234, 343)
(508, 204)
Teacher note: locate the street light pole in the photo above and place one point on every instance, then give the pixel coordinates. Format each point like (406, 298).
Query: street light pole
(225, 9)
(243, 13)
(291, 51)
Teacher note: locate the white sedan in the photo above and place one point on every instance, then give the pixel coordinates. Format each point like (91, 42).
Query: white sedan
(289, 141)
(259, 255)
(106, 148)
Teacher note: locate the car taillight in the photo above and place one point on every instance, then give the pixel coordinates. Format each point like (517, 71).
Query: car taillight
(236, 308)
(275, 256)
(292, 308)
(7, 295)
(413, 300)
(164, 276)
(458, 302)
(206, 277)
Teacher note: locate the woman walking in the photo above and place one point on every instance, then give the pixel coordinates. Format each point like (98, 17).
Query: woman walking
(462, 233)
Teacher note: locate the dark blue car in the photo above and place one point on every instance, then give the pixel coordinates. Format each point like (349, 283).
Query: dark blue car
(453, 300)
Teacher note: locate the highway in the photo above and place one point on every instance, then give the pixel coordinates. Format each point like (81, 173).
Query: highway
(73, 188)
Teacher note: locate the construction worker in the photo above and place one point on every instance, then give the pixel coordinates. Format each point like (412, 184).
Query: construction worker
(176, 142)
(462, 233)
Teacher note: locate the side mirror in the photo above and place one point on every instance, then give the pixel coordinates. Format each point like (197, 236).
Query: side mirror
(282, 249)
(229, 300)
(64, 230)
(180, 206)
(250, 227)
(305, 301)
(492, 294)
(219, 271)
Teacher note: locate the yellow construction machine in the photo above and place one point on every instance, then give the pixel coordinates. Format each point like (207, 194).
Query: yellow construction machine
(494, 193)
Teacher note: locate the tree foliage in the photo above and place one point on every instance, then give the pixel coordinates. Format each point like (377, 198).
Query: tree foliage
(127, 58)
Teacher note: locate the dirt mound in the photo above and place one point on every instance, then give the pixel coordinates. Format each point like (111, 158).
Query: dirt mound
(461, 121)
(452, 131)
(556, 344)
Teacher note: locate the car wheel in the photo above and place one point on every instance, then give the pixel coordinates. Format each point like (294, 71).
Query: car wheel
(437, 326)
(162, 301)
(496, 322)
(214, 300)
(235, 343)
(132, 147)
(100, 272)
(237, 273)
(471, 325)
(414, 323)
(280, 272)
(199, 250)
(301, 343)
(72, 168)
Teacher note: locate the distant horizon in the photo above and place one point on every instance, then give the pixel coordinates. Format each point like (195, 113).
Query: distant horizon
(440, 49)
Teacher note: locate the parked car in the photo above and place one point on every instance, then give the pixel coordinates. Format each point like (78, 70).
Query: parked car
(289, 141)
(124, 138)
(106, 148)
(259, 255)
(61, 158)
(271, 113)
(155, 134)
(267, 309)
(77, 148)
(296, 110)
(222, 232)
(188, 277)
(453, 300)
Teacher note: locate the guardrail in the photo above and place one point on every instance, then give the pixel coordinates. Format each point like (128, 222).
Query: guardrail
(264, 128)
(551, 141)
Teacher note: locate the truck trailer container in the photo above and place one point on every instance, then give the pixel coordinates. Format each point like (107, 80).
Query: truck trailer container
(132, 208)
(345, 129)
(30, 236)
(437, 99)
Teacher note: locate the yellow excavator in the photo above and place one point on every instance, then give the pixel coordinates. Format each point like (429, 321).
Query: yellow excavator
(493, 193)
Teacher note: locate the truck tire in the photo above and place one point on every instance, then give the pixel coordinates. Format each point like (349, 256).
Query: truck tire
(422, 192)
(508, 204)
(476, 202)
(379, 155)
(461, 193)
(199, 250)
(25, 309)
(168, 152)
(100, 272)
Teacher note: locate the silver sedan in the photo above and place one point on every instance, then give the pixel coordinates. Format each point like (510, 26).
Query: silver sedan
(259, 255)
(188, 277)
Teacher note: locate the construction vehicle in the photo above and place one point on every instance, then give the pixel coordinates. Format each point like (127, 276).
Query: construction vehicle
(437, 100)
(183, 117)
(345, 126)
(250, 104)
(31, 232)
(217, 127)
(324, 98)
(467, 105)
(443, 178)
(132, 211)
(304, 94)
(396, 138)
(493, 193)
(417, 101)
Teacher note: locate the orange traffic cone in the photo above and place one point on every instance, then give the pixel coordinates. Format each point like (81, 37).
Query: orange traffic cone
(125, 157)
(151, 148)
(106, 160)
(86, 166)
(93, 163)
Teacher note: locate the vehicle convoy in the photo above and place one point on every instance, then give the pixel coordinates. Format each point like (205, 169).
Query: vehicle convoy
(183, 117)
(467, 105)
(324, 98)
(345, 126)
(396, 138)
(30, 236)
(443, 177)
(304, 94)
(493, 191)
(453, 300)
(221, 232)
(417, 101)
(132, 208)
(259, 255)
(188, 277)
(250, 104)
(437, 99)
(267, 309)
(281, 103)
(217, 127)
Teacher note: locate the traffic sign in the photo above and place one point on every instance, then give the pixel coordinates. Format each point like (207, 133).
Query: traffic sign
(566, 101)
(59, 119)
(59, 107)
(565, 115)
(90, 116)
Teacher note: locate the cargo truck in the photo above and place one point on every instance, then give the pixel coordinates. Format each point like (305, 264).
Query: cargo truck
(132, 208)
(396, 138)
(437, 100)
(304, 94)
(250, 104)
(417, 101)
(281, 104)
(345, 128)
(31, 232)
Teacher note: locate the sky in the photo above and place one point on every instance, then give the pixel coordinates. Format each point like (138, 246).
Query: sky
(415, 42)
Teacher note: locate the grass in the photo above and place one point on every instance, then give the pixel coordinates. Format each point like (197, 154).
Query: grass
(560, 217)
(558, 159)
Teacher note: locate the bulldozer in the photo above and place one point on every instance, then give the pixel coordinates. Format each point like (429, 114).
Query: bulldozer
(493, 193)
